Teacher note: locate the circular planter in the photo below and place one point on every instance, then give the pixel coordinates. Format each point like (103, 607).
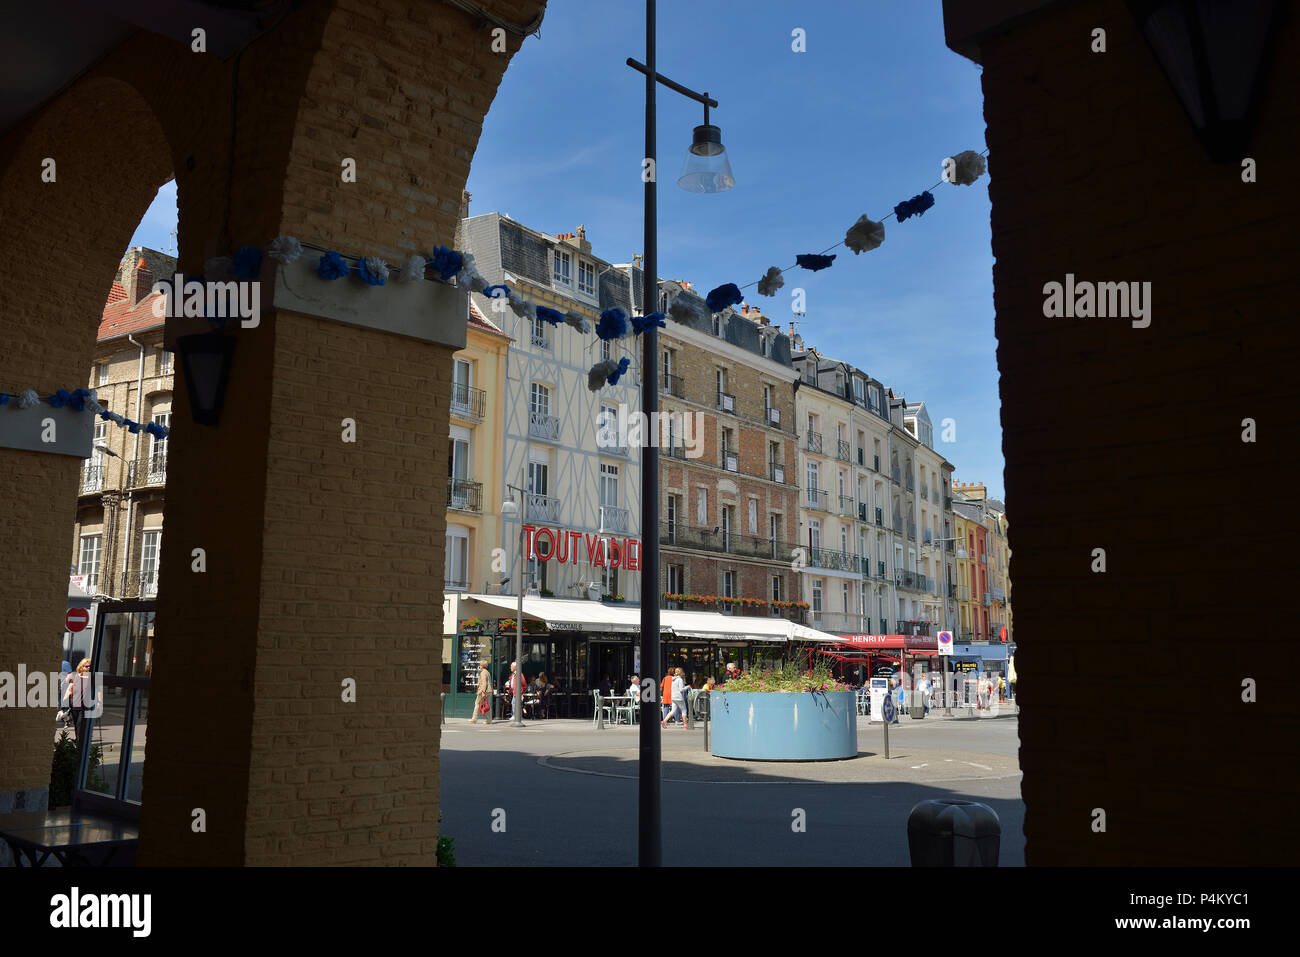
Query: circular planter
(776, 726)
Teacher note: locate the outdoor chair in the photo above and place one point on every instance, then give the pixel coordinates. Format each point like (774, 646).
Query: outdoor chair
(628, 711)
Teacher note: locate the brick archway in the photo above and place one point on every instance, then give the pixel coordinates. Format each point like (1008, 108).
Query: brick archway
(309, 581)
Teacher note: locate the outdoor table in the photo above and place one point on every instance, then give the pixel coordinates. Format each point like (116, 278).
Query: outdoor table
(77, 839)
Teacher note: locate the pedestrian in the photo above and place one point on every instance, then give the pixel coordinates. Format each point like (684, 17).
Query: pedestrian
(515, 685)
(1002, 688)
(666, 693)
(925, 695)
(677, 692)
(482, 704)
(80, 693)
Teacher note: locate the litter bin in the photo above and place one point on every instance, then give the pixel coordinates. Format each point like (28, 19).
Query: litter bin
(953, 834)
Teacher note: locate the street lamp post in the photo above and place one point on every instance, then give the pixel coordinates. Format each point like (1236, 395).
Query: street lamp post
(707, 170)
(509, 510)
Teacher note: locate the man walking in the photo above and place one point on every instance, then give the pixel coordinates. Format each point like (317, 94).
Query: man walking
(482, 706)
(516, 687)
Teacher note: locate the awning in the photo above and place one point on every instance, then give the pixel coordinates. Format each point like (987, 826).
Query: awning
(577, 615)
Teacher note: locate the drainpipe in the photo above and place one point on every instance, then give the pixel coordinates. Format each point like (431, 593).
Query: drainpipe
(135, 458)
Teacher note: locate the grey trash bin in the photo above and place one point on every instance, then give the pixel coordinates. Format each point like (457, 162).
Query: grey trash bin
(944, 833)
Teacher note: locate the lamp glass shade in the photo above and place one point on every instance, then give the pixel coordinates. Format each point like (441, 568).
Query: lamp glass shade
(206, 360)
(509, 509)
(707, 169)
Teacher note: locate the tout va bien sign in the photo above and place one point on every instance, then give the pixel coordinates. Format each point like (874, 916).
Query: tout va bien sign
(562, 545)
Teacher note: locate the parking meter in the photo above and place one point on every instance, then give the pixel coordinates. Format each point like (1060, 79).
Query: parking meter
(879, 692)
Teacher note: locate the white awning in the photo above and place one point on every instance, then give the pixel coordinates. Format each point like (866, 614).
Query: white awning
(559, 613)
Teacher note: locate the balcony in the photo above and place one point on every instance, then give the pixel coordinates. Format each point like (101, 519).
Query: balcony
(846, 505)
(843, 451)
(841, 623)
(832, 559)
(776, 472)
(912, 581)
(615, 519)
(819, 500)
(862, 514)
(541, 339)
(727, 402)
(998, 594)
(671, 385)
(908, 482)
(541, 508)
(149, 583)
(880, 518)
(148, 471)
(814, 443)
(543, 425)
(464, 495)
(914, 627)
(92, 478)
(722, 542)
(466, 402)
(772, 416)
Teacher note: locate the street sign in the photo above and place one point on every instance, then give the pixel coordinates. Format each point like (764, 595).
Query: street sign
(945, 642)
(76, 619)
(887, 710)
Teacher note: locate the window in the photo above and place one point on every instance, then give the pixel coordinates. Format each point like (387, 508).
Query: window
(676, 580)
(457, 557)
(101, 374)
(767, 400)
(158, 448)
(728, 591)
(164, 362)
(538, 473)
(562, 265)
(774, 529)
(101, 438)
(858, 391)
(812, 476)
(540, 399)
(817, 596)
(586, 278)
(717, 325)
(606, 349)
(607, 424)
(727, 519)
(844, 540)
(814, 534)
(701, 507)
(458, 460)
(608, 485)
(844, 593)
(538, 337)
(776, 588)
(149, 562)
(753, 516)
(88, 561)
(609, 581)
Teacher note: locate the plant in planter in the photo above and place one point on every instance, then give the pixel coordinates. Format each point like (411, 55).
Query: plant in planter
(471, 625)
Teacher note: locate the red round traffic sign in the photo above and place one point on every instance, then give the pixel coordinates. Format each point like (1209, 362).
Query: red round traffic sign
(76, 619)
(1004, 632)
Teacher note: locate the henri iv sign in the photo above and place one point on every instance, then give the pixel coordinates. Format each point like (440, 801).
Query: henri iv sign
(562, 545)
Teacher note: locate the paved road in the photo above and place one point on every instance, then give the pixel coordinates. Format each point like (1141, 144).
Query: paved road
(569, 795)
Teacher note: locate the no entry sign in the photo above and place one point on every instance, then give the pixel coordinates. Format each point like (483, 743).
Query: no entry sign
(76, 619)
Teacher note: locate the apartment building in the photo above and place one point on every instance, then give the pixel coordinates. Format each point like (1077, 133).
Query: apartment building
(580, 520)
(729, 516)
(933, 519)
(847, 506)
(975, 596)
(117, 535)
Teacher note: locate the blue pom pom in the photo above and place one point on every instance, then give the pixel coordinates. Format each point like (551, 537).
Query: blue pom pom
(724, 296)
(447, 262)
(78, 400)
(613, 377)
(642, 324)
(132, 427)
(247, 262)
(366, 273)
(491, 291)
(156, 430)
(59, 399)
(547, 314)
(332, 266)
(612, 324)
(4, 398)
(915, 206)
(105, 414)
(813, 261)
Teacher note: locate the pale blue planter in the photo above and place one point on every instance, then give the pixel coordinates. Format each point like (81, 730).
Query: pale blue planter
(774, 726)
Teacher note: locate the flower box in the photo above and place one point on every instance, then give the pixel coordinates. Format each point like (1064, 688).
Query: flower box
(783, 726)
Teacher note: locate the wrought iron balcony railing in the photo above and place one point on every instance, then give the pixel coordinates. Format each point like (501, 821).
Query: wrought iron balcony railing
(843, 451)
(833, 559)
(467, 402)
(149, 584)
(819, 499)
(846, 504)
(542, 425)
(615, 519)
(814, 443)
(913, 581)
(465, 495)
(541, 508)
(671, 385)
(92, 478)
(147, 471)
(723, 542)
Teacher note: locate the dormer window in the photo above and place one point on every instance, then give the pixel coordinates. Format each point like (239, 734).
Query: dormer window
(562, 268)
(586, 278)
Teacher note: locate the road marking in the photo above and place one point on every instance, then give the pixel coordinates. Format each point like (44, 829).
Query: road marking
(915, 766)
(983, 766)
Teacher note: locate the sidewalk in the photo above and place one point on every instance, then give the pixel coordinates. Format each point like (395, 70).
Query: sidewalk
(1008, 709)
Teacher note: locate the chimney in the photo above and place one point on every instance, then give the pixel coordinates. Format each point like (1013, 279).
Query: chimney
(138, 282)
(464, 204)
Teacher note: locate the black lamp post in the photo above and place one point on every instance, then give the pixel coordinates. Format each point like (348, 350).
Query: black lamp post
(706, 171)
(1214, 54)
(206, 359)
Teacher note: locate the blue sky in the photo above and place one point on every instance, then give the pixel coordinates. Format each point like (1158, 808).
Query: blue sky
(858, 122)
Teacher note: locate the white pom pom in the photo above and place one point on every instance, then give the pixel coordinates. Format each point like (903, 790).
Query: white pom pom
(864, 235)
(771, 282)
(218, 269)
(578, 322)
(412, 268)
(685, 310)
(285, 249)
(970, 167)
(377, 266)
(598, 373)
(28, 399)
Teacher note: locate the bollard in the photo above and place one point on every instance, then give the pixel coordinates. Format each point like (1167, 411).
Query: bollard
(444, 707)
(703, 698)
(600, 714)
(944, 833)
(688, 718)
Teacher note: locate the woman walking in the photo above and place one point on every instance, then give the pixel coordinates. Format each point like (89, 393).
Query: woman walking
(80, 695)
(678, 698)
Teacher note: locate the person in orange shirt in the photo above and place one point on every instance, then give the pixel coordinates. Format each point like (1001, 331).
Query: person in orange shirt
(666, 693)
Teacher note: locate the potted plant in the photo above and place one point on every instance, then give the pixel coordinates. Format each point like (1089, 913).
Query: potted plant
(784, 713)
